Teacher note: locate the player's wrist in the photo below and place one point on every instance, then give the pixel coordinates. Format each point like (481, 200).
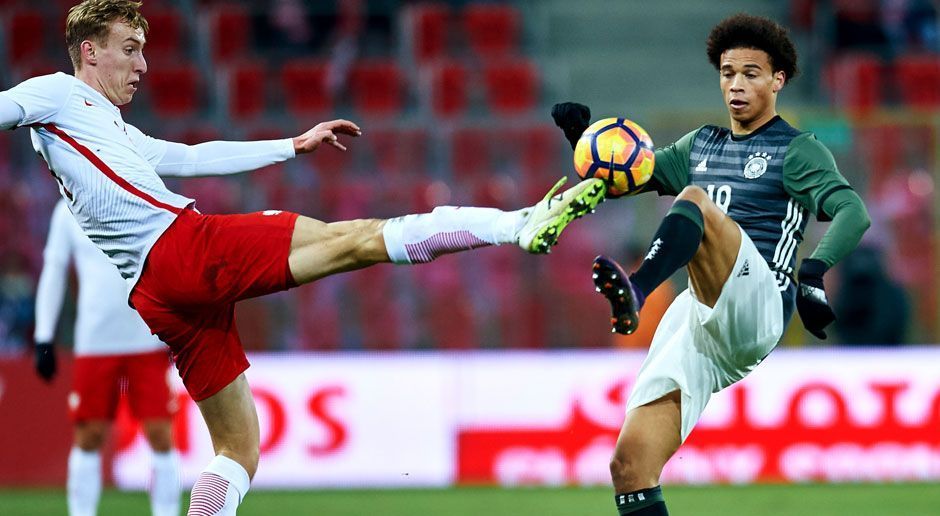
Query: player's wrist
(812, 268)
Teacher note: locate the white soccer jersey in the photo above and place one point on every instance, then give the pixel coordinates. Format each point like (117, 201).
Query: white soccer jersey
(105, 325)
(108, 170)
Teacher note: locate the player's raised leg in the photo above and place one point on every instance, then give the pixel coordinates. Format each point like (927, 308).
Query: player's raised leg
(696, 233)
(319, 249)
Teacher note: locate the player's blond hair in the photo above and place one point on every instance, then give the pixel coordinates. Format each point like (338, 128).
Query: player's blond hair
(91, 20)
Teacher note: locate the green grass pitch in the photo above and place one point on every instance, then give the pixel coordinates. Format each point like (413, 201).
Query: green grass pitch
(763, 500)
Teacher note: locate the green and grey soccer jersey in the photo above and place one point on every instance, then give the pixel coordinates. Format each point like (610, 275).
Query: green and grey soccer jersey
(768, 181)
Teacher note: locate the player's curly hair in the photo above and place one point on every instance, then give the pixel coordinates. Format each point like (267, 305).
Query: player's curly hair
(746, 31)
(92, 19)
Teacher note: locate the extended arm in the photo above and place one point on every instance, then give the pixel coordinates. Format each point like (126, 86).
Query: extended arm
(220, 157)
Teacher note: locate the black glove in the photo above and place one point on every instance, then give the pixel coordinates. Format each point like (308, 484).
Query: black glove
(573, 118)
(811, 299)
(45, 361)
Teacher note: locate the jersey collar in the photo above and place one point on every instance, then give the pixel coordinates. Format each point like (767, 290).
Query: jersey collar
(744, 137)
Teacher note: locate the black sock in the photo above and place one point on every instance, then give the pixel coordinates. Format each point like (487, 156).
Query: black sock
(674, 245)
(645, 502)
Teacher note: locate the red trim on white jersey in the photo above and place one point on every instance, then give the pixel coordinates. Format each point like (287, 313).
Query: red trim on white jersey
(106, 170)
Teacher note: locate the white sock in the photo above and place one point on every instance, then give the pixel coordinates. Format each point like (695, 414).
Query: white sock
(165, 485)
(84, 482)
(219, 488)
(448, 229)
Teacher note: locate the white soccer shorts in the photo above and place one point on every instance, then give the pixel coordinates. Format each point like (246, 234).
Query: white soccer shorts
(701, 350)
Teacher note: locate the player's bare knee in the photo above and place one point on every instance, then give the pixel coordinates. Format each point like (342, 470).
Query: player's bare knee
(159, 436)
(90, 437)
(626, 475)
(699, 196)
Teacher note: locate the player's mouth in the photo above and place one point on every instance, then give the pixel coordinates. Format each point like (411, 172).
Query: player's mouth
(737, 104)
(133, 85)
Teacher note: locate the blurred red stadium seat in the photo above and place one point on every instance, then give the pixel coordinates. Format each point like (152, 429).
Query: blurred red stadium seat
(26, 36)
(919, 80)
(166, 36)
(173, 89)
(855, 81)
(247, 89)
(380, 320)
(229, 33)
(492, 30)
(377, 88)
(303, 83)
(471, 153)
(512, 86)
(397, 151)
(426, 28)
(448, 82)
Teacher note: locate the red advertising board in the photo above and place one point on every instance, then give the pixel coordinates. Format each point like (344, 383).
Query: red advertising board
(521, 418)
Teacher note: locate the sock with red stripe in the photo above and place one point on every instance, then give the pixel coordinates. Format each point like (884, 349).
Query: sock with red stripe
(448, 229)
(219, 488)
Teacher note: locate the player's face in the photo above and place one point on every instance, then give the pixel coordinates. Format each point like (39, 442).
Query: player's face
(749, 86)
(121, 63)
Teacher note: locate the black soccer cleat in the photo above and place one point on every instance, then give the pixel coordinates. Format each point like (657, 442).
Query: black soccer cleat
(625, 301)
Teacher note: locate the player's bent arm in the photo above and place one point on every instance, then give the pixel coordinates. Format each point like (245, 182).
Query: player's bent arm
(50, 292)
(850, 220)
(671, 171)
(810, 176)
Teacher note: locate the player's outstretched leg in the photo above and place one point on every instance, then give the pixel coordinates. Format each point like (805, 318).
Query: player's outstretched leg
(319, 249)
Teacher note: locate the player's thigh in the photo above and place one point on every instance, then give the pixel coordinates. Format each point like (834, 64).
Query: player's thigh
(232, 421)
(712, 264)
(650, 435)
(319, 249)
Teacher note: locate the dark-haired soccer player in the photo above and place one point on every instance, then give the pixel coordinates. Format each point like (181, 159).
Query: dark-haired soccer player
(743, 197)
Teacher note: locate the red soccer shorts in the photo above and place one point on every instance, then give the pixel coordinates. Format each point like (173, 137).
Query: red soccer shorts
(194, 274)
(99, 379)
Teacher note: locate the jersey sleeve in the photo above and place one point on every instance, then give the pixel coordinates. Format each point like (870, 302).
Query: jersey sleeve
(671, 172)
(50, 293)
(152, 149)
(810, 174)
(221, 157)
(40, 98)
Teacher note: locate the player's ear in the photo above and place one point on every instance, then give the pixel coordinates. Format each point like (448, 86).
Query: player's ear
(780, 78)
(88, 52)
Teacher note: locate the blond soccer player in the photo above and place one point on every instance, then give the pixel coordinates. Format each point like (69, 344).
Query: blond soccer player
(186, 270)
